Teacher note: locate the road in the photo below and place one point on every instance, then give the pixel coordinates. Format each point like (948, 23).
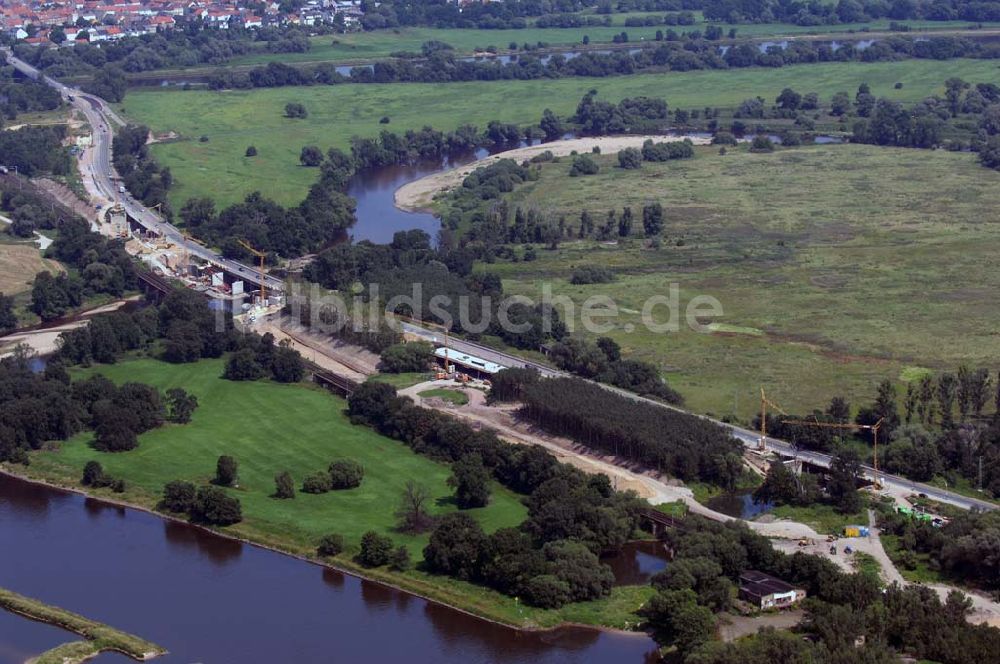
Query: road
(103, 177)
(750, 439)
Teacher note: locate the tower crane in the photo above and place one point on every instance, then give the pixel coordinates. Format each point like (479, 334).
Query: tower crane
(263, 275)
(874, 428)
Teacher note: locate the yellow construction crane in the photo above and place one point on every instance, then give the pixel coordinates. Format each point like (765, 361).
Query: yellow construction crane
(263, 275)
(855, 427)
(447, 351)
(764, 403)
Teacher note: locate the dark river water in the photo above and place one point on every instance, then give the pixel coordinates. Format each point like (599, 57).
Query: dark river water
(208, 599)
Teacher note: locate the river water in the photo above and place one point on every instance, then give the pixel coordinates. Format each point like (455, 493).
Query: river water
(208, 599)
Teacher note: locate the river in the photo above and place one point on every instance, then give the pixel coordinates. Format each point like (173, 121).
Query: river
(209, 599)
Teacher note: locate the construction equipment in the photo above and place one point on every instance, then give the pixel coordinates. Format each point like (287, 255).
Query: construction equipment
(854, 427)
(263, 275)
(764, 403)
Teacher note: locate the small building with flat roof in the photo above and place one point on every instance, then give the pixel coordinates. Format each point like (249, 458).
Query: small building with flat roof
(470, 364)
(767, 592)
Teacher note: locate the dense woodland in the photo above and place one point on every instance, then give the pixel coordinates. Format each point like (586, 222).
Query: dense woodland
(673, 442)
(141, 175)
(35, 150)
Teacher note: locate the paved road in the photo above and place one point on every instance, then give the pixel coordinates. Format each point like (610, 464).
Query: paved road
(101, 116)
(750, 439)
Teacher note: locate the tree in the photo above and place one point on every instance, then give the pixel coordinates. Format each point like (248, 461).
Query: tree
(181, 405)
(407, 357)
(346, 474)
(226, 469)
(251, 151)
(295, 110)
(399, 561)
(455, 546)
(761, 143)
(284, 485)
(945, 391)
(243, 365)
(885, 409)
(652, 219)
(840, 104)
(109, 83)
(316, 483)
(789, 99)
(583, 165)
(630, 158)
(551, 125)
(213, 506)
(412, 512)
(115, 428)
(93, 474)
(471, 481)
(311, 156)
(839, 410)
(845, 470)
(331, 545)
(286, 364)
(8, 319)
(376, 550)
(178, 496)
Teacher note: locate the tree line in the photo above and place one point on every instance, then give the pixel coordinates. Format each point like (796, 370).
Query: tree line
(35, 150)
(140, 173)
(673, 52)
(848, 11)
(671, 441)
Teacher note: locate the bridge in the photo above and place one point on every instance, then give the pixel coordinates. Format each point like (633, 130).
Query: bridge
(659, 522)
(332, 381)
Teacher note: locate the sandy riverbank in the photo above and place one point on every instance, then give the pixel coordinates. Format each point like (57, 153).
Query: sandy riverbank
(418, 195)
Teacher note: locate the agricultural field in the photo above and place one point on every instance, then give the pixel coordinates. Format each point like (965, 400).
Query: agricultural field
(232, 120)
(835, 266)
(269, 428)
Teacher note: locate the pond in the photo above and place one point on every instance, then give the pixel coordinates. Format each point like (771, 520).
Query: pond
(740, 505)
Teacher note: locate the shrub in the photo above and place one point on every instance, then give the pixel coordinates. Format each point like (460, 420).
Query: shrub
(295, 110)
(251, 151)
(630, 158)
(384, 119)
(93, 474)
(178, 496)
(402, 358)
(723, 138)
(761, 143)
(591, 274)
(213, 506)
(331, 545)
(316, 483)
(226, 469)
(583, 165)
(284, 485)
(346, 474)
(399, 561)
(376, 550)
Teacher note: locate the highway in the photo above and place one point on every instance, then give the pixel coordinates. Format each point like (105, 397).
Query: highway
(100, 117)
(749, 438)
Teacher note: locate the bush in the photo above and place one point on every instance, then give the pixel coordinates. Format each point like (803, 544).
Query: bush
(407, 357)
(93, 474)
(546, 591)
(316, 483)
(331, 545)
(295, 110)
(630, 158)
(583, 165)
(400, 560)
(761, 143)
(723, 138)
(346, 474)
(243, 365)
(226, 469)
(284, 485)
(376, 550)
(591, 274)
(251, 151)
(213, 506)
(384, 119)
(178, 496)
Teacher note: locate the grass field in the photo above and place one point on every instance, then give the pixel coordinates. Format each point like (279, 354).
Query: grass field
(270, 428)
(836, 266)
(823, 518)
(456, 397)
(232, 120)
(361, 46)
